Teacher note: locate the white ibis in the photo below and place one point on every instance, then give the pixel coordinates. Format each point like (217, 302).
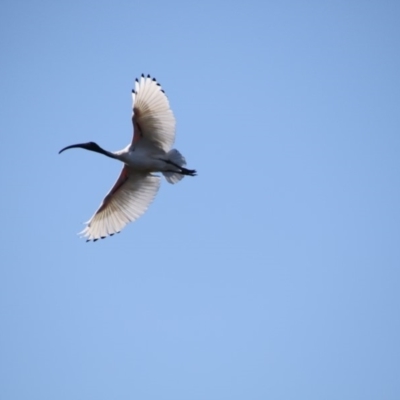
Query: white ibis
(150, 151)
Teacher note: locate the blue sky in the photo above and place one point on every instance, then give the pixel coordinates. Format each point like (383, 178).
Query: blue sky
(274, 274)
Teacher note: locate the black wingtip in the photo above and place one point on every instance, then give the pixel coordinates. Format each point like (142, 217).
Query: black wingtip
(142, 75)
(148, 75)
(137, 80)
(154, 80)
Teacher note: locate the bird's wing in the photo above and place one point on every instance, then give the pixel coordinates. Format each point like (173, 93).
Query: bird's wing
(153, 120)
(128, 199)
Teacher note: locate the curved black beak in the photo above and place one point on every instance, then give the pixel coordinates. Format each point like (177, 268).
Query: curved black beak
(86, 146)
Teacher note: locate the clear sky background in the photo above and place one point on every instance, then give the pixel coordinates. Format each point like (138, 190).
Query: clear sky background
(275, 273)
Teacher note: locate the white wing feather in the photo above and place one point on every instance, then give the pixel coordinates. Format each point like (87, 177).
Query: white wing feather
(127, 200)
(152, 118)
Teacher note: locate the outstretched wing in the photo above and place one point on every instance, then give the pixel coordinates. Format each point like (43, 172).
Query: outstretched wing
(128, 199)
(152, 118)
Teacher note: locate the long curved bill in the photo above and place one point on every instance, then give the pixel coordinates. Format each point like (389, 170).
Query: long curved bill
(74, 146)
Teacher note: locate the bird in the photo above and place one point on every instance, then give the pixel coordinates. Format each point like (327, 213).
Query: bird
(149, 152)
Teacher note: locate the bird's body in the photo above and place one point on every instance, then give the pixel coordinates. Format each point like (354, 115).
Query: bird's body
(149, 152)
(142, 158)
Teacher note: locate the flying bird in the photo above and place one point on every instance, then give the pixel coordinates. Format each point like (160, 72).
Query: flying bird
(150, 151)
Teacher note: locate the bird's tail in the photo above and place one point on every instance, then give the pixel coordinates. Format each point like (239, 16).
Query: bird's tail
(176, 160)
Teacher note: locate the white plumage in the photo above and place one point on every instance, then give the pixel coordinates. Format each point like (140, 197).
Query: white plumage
(151, 112)
(150, 151)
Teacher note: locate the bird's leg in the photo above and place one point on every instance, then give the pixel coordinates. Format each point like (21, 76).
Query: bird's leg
(182, 170)
(190, 172)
